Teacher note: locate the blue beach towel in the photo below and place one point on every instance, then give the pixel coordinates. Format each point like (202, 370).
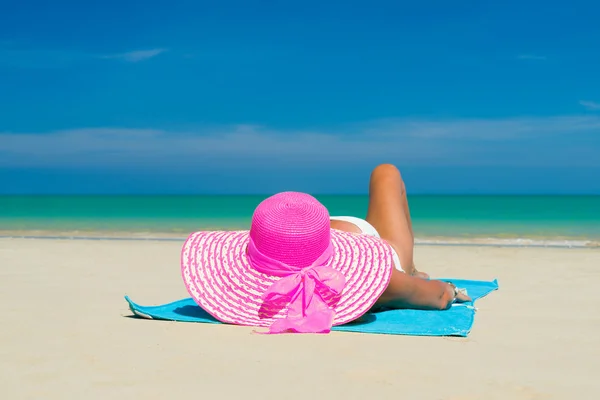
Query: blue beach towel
(457, 321)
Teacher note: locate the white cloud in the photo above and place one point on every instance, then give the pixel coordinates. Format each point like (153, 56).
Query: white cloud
(43, 58)
(135, 56)
(485, 130)
(534, 57)
(590, 105)
(555, 141)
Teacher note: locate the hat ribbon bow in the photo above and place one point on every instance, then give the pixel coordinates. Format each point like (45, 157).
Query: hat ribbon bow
(303, 288)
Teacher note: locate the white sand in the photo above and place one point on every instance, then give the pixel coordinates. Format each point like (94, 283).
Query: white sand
(65, 333)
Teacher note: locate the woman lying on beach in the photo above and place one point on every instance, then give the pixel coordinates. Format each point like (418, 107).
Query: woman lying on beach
(388, 217)
(299, 270)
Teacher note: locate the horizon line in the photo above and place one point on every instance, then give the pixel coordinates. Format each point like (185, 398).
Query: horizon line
(270, 194)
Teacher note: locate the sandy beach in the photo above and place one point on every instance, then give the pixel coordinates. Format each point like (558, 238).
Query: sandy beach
(67, 332)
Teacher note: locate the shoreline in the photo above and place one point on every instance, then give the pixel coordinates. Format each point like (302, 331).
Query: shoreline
(506, 242)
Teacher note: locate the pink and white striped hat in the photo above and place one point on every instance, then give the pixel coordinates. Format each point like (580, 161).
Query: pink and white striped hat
(291, 272)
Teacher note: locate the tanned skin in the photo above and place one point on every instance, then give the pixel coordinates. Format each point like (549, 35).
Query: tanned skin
(390, 215)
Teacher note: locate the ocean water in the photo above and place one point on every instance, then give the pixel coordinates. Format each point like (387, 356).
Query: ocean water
(575, 219)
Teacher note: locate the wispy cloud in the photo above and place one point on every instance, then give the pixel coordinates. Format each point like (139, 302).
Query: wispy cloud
(557, 141)
(135, 56)
(590, 105)
(534, 57)
(51, 58)
(485, 130)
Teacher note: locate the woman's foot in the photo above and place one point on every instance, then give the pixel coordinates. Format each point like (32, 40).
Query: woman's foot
(422, 275)
(419, 274)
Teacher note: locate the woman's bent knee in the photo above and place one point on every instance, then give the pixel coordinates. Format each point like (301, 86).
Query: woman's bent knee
(385, 171)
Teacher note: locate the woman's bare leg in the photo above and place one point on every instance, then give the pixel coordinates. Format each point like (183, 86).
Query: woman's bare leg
(406, 208)
(389, 213)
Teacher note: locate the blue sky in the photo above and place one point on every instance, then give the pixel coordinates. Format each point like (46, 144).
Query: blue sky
(257, 97)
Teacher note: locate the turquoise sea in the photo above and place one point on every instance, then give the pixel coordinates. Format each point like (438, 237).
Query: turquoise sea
(574, 219)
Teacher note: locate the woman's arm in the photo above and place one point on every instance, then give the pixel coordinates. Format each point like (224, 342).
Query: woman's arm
(405, 291)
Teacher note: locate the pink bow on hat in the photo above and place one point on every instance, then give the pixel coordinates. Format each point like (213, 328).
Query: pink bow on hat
(304, 288)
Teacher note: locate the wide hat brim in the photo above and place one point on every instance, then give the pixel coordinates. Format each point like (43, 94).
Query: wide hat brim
(220, 279)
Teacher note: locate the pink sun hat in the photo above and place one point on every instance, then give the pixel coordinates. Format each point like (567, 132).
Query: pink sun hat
(291, 272)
